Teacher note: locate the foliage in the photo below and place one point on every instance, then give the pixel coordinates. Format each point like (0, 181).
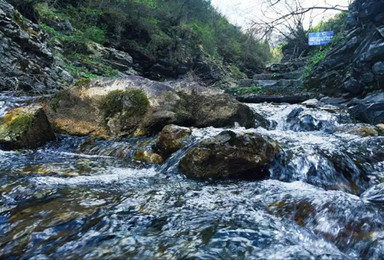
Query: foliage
(315, 57)
(95, 34)
(337, 24)
(277, 52)
(151, 30)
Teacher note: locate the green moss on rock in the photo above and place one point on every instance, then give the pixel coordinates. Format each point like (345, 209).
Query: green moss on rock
(18, 125)
(129, 102)
(82, 82)
(25, 127)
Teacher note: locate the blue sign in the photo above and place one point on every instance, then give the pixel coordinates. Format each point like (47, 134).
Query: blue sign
(320, 38)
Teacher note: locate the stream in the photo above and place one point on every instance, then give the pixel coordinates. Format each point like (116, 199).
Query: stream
(79, 198)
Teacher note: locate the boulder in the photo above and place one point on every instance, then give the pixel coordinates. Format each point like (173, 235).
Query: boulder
(25, 127)
(135, 106)
(302, 122)
(309, 123)
(378, 68)
(312, 103)
(230, 155)
(353, 86)
(171, 139)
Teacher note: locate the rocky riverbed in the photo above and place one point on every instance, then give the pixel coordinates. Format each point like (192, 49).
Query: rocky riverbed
(83, 197)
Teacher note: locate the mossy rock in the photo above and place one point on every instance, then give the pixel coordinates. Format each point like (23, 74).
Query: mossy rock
(82, 82)
(25, 127)
(124, 110)
(132, 102)
(136, 106)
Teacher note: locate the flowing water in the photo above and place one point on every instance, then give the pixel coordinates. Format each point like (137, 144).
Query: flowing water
(78, 198)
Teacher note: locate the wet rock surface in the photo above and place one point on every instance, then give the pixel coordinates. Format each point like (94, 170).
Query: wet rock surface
(84, 197)
(369, 109)
(170, 139)
(230, 155)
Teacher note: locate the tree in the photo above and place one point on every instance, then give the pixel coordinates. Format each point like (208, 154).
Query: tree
(286, 17)
(289, 20)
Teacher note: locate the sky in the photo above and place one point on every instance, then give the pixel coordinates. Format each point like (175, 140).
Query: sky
(242, 12)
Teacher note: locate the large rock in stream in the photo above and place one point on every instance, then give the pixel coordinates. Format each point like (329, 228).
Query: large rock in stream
(25, 127)
(230, 155)
(134, 106)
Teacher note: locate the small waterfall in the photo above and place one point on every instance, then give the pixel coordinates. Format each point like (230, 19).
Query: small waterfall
(316, 152)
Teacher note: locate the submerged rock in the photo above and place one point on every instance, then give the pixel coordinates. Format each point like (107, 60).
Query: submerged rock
(148, 156)
(171, 139)
(25, 127)
(302, 123)
(135, 106)
(230, 155)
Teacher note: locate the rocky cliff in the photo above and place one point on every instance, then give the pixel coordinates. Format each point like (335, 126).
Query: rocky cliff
(27, 63)
(355, 66)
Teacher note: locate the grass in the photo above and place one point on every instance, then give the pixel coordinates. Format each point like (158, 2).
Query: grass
(316, 56)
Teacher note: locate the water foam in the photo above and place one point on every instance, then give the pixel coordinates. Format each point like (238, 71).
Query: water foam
(115, 175)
